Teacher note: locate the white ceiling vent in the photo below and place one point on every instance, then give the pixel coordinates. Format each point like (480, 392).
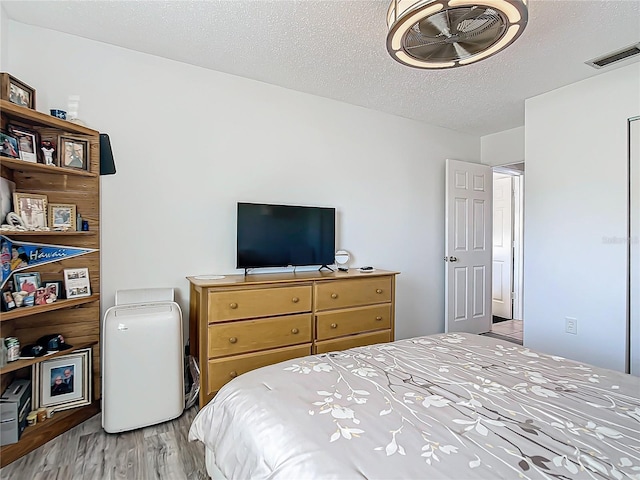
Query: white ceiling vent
(615, 57)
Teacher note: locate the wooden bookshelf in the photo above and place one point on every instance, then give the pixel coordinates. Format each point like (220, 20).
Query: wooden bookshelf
(78, 319)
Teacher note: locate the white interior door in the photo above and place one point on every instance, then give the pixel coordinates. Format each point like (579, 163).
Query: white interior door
(634, 247)
(468, 229)
(502, 273)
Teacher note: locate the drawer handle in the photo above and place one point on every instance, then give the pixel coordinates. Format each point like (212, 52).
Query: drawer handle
(233, 374)
(378, 318)
(294, 330)
(334, 325)
(295, 299)
(233, 305)
(233, 340)
(334, 295)
(378, 290)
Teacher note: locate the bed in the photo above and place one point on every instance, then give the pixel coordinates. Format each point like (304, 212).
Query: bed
(456, 406)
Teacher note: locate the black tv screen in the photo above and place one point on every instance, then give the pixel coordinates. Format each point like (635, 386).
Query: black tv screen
(285, 235)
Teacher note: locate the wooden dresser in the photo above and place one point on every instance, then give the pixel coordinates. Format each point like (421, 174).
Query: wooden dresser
(242, 322)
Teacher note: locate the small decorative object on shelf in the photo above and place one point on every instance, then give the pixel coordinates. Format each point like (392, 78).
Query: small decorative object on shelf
(48, 148)
(3, 353)
(13, 349)
(32, 418)
(76, 282)
(16, 91)
(58, 113)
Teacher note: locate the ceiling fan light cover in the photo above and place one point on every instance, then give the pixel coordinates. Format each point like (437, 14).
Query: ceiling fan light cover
(437, 34)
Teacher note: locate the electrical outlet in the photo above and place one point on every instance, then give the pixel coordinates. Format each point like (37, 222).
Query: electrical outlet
(571, 325)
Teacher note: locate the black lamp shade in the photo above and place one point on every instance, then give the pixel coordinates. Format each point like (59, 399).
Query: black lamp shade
(107, 165)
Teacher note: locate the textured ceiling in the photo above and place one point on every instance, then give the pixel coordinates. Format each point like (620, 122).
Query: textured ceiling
(336, 49)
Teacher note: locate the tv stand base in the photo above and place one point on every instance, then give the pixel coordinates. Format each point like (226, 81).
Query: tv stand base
(327, 267)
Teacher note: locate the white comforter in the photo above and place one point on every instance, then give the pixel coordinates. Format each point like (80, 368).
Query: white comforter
(445, 406)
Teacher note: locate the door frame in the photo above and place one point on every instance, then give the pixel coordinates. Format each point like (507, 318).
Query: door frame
(517, 172)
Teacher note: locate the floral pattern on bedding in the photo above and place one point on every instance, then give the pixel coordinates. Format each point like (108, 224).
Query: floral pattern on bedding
(450, 406)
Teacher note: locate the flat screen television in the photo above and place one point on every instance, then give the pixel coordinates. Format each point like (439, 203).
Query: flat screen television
(285, 235)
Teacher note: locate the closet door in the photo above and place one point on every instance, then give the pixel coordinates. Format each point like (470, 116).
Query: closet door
(634, 245)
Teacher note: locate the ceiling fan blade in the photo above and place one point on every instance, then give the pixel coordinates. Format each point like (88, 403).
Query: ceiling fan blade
(461, 52)
(443, 52)
(434, 26)
(472, 14)
(483, 37)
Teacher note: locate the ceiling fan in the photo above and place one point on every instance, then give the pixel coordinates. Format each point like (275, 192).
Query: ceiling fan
(436, 34)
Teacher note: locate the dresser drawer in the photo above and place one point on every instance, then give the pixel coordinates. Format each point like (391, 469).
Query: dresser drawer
(223, 370)
(354, 320)
(259, 334)
(352, 293)
(255, 303)
(353, 341)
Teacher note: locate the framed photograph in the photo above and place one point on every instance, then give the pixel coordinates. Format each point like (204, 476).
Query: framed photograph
(32, 208)
(9, 145)
(62, 216)
(63, 382)
(73, 152)
(54, 288)
(76, 282)
(27, 143)
(17, 91)
(27, 282)
(8, 303)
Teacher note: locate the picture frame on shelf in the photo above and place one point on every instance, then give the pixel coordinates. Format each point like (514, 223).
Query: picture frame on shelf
(31, 208)
(62, 216)
(8, 145)
(63, 382)
(73, 152)
(27, 143)
(27, 282)
(8, 303)
(16, 91)
(76, 282)
(56, 288)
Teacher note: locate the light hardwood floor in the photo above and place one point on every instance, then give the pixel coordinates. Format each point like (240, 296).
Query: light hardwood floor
(87, 452)
(511, 330)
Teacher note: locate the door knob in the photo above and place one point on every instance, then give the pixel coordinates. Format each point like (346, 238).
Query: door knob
(453, 259)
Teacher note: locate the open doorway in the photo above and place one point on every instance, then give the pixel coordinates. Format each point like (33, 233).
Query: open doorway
(507, 272)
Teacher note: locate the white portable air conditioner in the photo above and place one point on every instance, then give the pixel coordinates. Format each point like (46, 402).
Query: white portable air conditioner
(142, 360)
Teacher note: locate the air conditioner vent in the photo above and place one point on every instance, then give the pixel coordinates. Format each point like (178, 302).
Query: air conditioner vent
(615, 57)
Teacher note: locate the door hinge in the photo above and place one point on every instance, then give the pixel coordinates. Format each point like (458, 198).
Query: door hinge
(513, 295)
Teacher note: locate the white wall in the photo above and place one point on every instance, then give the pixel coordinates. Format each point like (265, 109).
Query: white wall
(4, 43)
(189, 143)
(576, 217)
(503, 147)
